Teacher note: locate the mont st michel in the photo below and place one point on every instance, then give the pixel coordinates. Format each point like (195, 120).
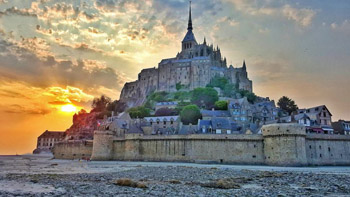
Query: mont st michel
(193, 125)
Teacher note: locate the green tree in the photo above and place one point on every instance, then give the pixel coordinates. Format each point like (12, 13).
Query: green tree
(100, 104)
(139, 112)
(219, 82)
(179, 86)
(166, 112)
(116, 106)
(287, 104)
(229, 90)
(221, 105)
(204, 97)
(158, 96)
(251, 97)
(182, 95)
(190, 114)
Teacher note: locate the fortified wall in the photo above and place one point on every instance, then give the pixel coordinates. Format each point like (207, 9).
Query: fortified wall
(279, 145)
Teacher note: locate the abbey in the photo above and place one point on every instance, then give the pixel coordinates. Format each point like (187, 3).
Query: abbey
(192, 68)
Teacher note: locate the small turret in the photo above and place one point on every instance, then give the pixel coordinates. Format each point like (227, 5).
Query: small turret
(205, 41)
(244, 65)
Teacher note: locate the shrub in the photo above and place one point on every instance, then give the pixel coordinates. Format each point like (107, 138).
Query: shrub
(204, 97)
(219, 82)
(190, 114)
(139, 112)
(166, 112)
(221, 105)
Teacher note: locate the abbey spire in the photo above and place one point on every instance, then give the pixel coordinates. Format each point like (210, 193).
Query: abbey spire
(189, 40)
(190, 28)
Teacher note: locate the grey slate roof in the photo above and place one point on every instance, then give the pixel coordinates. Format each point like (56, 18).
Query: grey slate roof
(161, 118)
(215, 113)
(189, 37)
(220, 123)
(205, 123)
(166, 103)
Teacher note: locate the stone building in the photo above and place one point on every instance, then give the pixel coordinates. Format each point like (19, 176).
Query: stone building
(321, 119)
(241, 111)
(341, 127)
(209, 114)
(194, 66)
(164, 125)
(217, 125)
(170, 105)
(302, 119)
(47, 140)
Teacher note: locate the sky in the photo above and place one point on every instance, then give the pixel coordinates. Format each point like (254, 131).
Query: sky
(56, 56)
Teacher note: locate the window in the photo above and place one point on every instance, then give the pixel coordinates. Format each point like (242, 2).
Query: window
(171, 122)
(164, 122)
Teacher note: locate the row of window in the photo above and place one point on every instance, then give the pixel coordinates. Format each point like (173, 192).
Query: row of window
(188, 45)
(164, 122)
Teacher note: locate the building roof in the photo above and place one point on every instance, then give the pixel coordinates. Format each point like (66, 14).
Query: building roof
(315, 110)
(220, 123)
(215, 113)
(188, 129)
(204, 123)
(161, 118)
(134, 129)
(189, 37)
(53, 134)
(166, 103)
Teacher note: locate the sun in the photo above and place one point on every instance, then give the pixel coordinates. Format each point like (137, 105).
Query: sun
(69, 108)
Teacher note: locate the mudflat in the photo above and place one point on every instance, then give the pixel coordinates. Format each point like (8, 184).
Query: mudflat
(40, 175)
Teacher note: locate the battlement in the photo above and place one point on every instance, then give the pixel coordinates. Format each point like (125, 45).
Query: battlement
(284, 129)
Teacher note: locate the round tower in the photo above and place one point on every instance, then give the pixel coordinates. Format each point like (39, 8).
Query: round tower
(284, 144)
(102, 145)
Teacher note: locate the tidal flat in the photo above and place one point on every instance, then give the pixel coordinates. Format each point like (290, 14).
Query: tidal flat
(40, 175)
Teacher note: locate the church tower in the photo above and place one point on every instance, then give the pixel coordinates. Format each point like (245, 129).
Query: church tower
(189, 42)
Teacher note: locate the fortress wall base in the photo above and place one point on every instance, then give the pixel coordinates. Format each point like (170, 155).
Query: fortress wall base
(328, 149)
(73, 150)
(240, 149)
(279, 145)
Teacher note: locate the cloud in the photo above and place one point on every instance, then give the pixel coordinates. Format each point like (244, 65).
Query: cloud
(12, 94)
(19, 109)
(20, 64)
(267, 71)
(342, 27)
(302, 16)
(228, 20)
(68, 95)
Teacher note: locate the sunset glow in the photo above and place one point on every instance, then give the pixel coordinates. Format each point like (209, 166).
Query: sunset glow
(69, 108)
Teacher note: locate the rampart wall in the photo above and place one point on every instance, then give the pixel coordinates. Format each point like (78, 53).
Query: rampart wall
(279, 144)
(327, 149)
(73, 150)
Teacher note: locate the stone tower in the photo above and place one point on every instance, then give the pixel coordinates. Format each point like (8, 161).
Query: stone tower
(284, 144)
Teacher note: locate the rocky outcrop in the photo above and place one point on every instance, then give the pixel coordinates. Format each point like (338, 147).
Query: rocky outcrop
(83, 127)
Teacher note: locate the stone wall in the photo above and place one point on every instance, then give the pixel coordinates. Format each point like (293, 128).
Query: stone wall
(328, 149)
(279, 144)
(73, 150)
(284, 144)
(229, 149)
